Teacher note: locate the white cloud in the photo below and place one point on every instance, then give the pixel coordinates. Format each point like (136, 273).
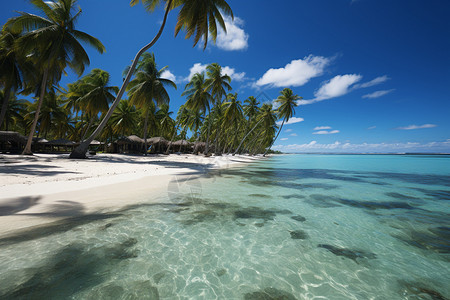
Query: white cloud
(293, 134)
(372, 127)
(284, 139)
(326, 132)
(199, 68)
(288, 130)
(337, 146)
(322, 128)
(196, 68)
(296, 73)
(378, 94)
(168, 75)
(373, 82)
(337, 86)
(233, 74)
(235, 38)
(412, 127)
(292, 120)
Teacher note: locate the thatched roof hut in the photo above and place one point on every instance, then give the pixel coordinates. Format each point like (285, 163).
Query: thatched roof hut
(157, 140)
(182, 143)
(132, 139)
(62, 142)
(37, 140)
(199, 147)
(12, 136)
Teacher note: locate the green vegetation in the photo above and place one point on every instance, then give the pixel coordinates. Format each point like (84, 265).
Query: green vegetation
(36, 49)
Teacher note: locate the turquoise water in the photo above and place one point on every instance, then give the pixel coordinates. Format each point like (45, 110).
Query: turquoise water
(290, 227)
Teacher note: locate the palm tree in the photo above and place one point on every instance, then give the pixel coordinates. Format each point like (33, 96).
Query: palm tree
(250, 110)
(53, 42)
(288, 102)
(14, 112)
(167, 124)
(149, 86)
(13, 68)
(216, 85)
(197, 17)
(232, 115)
(124, 119)
(95, 94)
(198, 97)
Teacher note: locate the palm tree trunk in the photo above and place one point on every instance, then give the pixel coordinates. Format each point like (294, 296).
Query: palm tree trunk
(27, 150)
(88, 127)
(5, 105)
(171, 140)
(145, 131)
(207, 138)
(246, 137)
(80, 151)
(275, 138)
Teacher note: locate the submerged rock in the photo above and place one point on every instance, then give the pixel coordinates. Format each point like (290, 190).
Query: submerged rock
(221, 272)
(376, 205)
(298, 235)
(298, 218)
(416, 289)
(269, 294)
(349, 253)
(260, 195)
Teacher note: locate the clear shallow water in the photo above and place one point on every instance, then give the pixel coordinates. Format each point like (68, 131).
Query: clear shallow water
(292, 227)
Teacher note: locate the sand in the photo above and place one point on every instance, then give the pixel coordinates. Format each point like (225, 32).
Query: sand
(47, 188)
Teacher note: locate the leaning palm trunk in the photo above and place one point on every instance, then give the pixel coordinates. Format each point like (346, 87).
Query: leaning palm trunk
(88, 127)
(275, 138)
(5, 105)
(27, 150)
(239, 147)
(207, 138)
(80, 151)
(171, 140)
(145, 131)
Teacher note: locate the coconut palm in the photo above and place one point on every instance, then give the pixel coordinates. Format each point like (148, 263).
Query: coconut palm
(14, 112)
(124, 119)
(288, 102)
(13, 68)
(197, 17)
(54, 43)
(232, 115)
(95, 95)
(149, 86)
(251, 109)
(167, 124)
(217, 84)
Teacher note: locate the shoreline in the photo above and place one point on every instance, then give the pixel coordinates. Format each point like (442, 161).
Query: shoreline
(46, 188)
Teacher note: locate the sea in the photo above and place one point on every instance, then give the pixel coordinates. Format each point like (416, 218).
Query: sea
(287, 227)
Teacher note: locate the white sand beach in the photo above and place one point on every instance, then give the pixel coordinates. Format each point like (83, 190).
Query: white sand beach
(46, 188)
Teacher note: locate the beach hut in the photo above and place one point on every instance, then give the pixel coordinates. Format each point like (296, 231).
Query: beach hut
(61, 145)
(130, 144)
(39, 145)
(11, 142)
(159, 144)
(182, 146)
(199, 147)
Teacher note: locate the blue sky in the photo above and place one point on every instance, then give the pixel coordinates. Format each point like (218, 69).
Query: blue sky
(374, 74)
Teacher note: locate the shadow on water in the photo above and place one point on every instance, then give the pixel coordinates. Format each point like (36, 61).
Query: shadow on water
(352, 254)
(73, 269)
(54, 228)
(418, 290)
(269, 294)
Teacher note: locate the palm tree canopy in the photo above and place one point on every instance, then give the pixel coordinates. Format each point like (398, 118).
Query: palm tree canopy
(233, 109)
(52, 38)
(198, 97)
(216, 82)
(251, 107)
(287, 101)
(148, 84)
(96, 94)
(199, 18)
